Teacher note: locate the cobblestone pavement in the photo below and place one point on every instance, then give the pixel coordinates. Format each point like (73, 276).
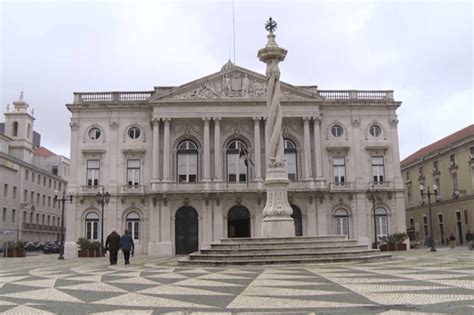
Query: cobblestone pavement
(412, 282)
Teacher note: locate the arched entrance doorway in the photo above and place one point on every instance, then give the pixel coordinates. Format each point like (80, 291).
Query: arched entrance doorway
(186, 231)
(238, 222)
(297, 218)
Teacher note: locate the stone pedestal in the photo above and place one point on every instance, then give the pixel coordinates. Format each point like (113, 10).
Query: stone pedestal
(277, 220)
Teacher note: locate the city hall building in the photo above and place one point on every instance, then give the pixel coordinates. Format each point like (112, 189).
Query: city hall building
(185, 165)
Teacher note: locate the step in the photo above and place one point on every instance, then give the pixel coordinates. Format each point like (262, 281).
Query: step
(283, 261)
(225, 249)
(283, 239)
(271, 256)
(314, 244)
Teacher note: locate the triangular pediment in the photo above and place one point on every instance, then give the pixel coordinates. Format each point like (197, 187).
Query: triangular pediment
(231, 83)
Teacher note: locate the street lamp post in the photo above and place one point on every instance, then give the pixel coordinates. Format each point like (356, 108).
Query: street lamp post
(61, 239)
(102, 199)
(373, 191)
(429, 194)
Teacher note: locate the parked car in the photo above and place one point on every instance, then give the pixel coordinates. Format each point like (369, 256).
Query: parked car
(51, 248)
(31, 246)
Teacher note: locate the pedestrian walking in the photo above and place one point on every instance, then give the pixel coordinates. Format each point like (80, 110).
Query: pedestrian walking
(469, 239)
(452, 240)
(127, 246)
(112, 244)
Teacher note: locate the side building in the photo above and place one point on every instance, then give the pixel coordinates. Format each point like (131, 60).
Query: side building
(174, 161)
(446, 168)
(30, 175)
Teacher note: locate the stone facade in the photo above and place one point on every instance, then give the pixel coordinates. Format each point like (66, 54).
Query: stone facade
(448, 164)
(28, 182)
(174, 161)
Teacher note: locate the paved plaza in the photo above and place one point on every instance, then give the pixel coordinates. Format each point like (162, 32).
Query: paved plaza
(412, 282)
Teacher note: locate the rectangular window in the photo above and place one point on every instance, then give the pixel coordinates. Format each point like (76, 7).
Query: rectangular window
(25, 195)
(38, 198)
(44, 181)
(93, 170)
(455, 182)
(42, 219)
(412, 222)
(5, 190)
(49, 220)
(54, 185)
(133, 172)
(438, 185)
(49, 201)
(54, 170)
(442, 235)
(378, 169)
(420, 171)
(409, 195)
(27, 173)
(452, 159)
(14, 192)
(339, 170)
(408, 175)
(32, 199)
(37, 218)
(471, 150)
(13, 215)
(60, 186)
(44, 200)
(425, 227)
(32, 177)
(24, 216)
(4, 214)
(49, 183)
(435, 166)
(31, 217)
(39, 179)
(465, 217)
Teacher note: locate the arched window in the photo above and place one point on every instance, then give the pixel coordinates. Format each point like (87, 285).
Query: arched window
(187, 162)
(92, 226)
(290, 157)
(342, 222)
(381, 222)
(133, 225)
(237, 170)
(15, 129)
(298, 220)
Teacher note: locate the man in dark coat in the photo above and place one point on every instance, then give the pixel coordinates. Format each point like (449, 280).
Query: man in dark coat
(127, 246)
(112, 244)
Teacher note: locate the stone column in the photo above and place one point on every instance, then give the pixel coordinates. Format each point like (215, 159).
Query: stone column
(207, 151)
(277, 221)
(308, 174)
(153, 227)
(256, 131)
(166, 150)
(217, 149)
(317, 150)
(156, 152)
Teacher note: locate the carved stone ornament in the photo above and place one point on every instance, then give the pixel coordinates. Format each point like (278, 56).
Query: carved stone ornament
(186, 201)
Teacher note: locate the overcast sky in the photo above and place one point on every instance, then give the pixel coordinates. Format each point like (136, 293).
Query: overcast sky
(421, 50)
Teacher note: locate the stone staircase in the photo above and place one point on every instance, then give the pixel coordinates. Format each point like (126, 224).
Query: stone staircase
(285, 250)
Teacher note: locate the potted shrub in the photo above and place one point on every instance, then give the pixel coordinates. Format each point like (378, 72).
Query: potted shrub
(399, 239)
(14, 249)
(394, 242)
(84, 245)
(94, 250)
